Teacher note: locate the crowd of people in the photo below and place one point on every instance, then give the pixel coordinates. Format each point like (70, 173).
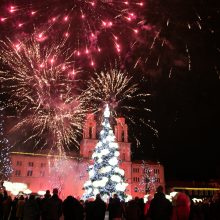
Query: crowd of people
(158, 207)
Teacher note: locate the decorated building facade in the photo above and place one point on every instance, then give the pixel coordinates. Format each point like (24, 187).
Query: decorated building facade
(42, 171)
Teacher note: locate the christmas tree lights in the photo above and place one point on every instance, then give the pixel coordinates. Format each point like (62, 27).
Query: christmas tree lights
(149, 178)
(5, 162)
(105, 176)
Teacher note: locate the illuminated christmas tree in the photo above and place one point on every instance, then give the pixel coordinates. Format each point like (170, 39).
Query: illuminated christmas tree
(149, 178)
(105, 176)
(5, 163)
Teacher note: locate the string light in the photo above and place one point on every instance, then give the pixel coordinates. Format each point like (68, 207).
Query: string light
(5, 162)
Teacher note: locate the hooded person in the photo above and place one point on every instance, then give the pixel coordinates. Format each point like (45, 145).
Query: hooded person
(160, 207)
(181, 206)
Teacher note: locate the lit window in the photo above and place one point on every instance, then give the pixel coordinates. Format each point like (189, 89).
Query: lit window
(201, 193)
(19, 163)
(156, 171)
(136, 179)
(43, 165)
(42, 173)
(157, 180)
(30, 164)
(135, 189)
(136, 170)
(147, 170)
(123, 156)
(29, 173)
(90, 153)
(17, 173)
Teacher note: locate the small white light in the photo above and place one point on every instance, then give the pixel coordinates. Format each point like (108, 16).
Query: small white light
(113, 161)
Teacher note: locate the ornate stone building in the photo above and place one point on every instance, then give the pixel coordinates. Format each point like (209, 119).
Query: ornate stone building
(41, 171)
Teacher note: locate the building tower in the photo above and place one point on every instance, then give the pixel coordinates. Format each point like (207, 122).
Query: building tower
(121, 134)
(89, 137)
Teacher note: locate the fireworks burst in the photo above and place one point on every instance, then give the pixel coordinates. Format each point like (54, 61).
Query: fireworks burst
(40, 81)
(92, 27)
(123, 95)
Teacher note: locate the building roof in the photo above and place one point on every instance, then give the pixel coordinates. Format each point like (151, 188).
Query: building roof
(44, 154)
(146, 162)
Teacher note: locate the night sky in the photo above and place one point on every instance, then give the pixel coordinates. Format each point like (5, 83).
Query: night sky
(186, 106)
(189, 129)
(188, 120)
(181, 68)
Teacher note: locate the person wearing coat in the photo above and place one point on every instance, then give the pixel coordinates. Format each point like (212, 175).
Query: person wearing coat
(115, 208)
(72, 209)
(54, 207)
(160, 207)
(181, 206)
(133, 211)
(43, 205)
(20, 208)
(99, 208)
(31, 209)
(89, 209)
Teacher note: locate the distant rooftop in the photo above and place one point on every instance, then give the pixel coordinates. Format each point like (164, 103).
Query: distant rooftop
(150, 162)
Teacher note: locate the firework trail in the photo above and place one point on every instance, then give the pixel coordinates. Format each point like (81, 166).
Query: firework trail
(95, 29)
(178, 35)
(123, 95)
(40, 84)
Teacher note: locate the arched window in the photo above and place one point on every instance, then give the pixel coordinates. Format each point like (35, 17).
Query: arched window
(123, 136)
(90, 132)
(123, 156)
